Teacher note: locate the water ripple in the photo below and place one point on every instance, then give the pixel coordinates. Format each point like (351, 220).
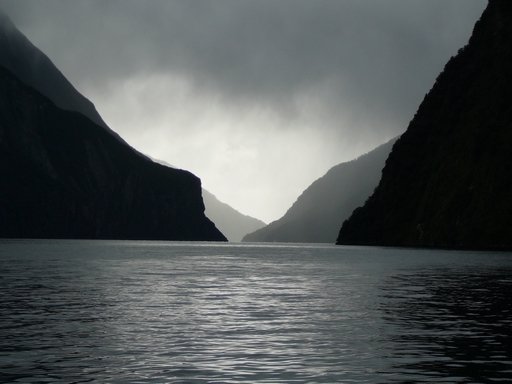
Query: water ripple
(142, 312)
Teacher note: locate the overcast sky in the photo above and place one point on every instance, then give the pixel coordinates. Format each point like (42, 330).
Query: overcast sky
(257, 97)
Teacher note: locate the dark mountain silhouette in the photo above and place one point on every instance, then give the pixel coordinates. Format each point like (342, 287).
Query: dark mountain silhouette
(65, 174)
(447, 182)
(233, 224)
(35, 69)
(65, 177)
(318, 213)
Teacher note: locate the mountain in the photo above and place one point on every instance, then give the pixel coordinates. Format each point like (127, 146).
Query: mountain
(65, 174)
(233, 224)
(318, 213)
(65, 177)
(31, 65)
(447, 182)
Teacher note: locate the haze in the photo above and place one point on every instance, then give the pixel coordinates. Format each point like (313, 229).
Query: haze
(257, 98)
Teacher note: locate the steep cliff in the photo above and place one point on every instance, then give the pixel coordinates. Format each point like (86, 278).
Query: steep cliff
(318, 213)
(64, 176)
(233, 224)
(447, 182)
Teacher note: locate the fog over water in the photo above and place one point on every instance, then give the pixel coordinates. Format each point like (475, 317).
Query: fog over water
(258, 98)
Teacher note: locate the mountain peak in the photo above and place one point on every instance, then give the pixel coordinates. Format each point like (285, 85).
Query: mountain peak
(494, 26)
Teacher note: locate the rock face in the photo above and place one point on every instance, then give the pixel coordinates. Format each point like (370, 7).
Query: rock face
(233, 224)
(447, 182)
(64, 176)
(318, 213)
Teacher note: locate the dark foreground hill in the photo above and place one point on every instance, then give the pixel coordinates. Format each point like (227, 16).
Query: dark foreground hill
(67, 175)
(318, 213)
(64, 176)
(448, 181)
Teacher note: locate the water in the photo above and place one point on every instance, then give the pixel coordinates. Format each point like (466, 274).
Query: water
(149, 312)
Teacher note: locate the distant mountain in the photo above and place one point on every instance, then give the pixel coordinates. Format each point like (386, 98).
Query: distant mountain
(65, 174)
(318, 213)
(447, 182)
(233, 224)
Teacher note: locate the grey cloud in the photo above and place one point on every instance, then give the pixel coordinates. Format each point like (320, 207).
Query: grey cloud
(378, 56)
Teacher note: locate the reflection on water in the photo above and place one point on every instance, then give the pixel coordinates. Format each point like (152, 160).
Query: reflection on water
(452, 324)
(147, 312)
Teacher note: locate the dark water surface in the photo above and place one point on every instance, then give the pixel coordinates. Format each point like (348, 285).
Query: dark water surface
(141, 312)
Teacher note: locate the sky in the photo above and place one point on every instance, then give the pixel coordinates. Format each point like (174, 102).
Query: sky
(258, 98)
